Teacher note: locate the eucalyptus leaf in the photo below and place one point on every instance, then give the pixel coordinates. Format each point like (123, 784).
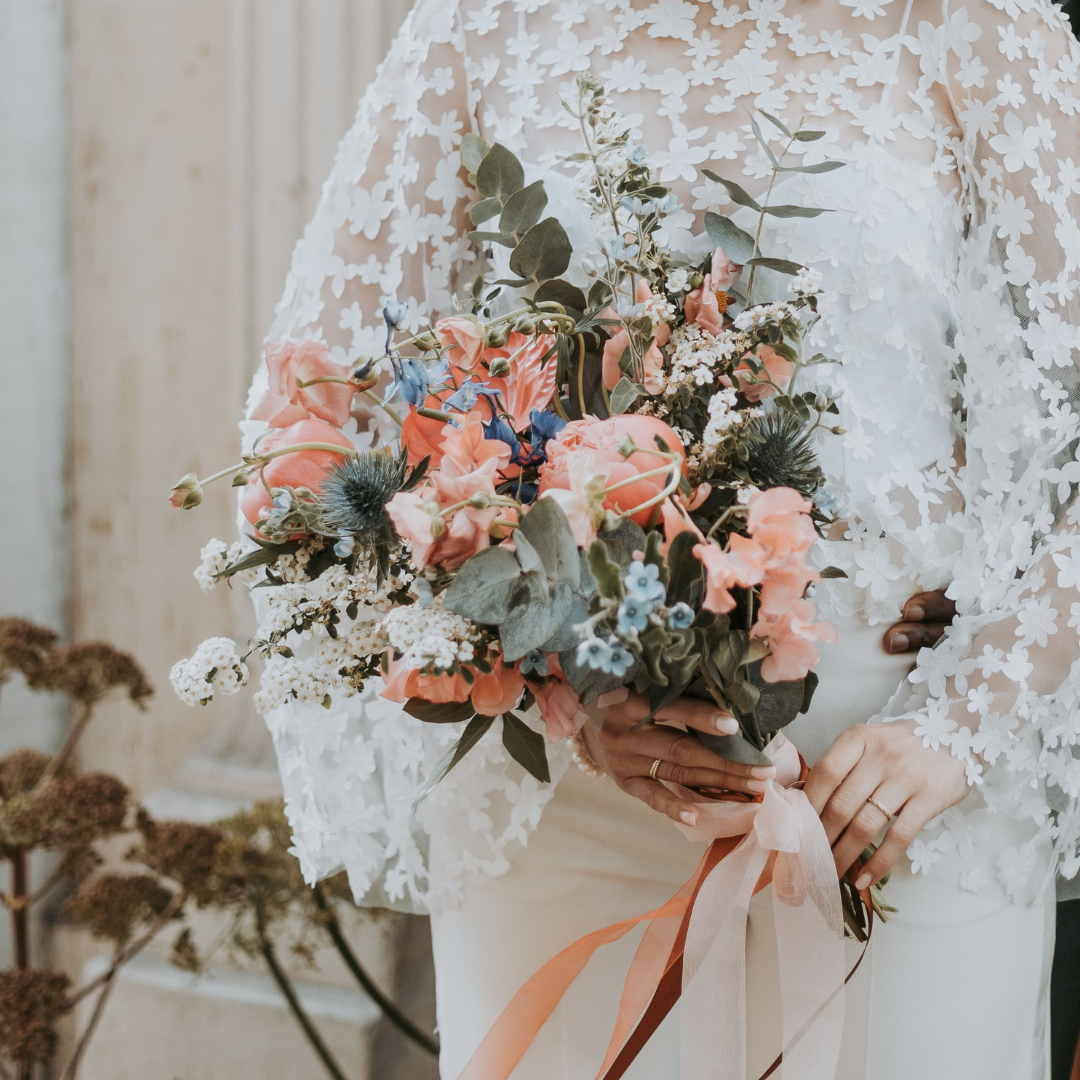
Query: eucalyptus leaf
(761, 141)
(833, 572)
(624, 395)
(482, 588)
(566, 637)
(562, 292)
(473, 151)
(781, 266)
(738, 244)
(534, 616)
(526, 747)
(544, 252)
(522, 210)
(528, 557)
(500, 174)
(545, 527)
(599, 294)
(810, 684)
(776, 122)
(491, 238)
(621, 543)
(484, 210)
(473, 733)
(734, 748)
(589, 683)
(736, 193)
(778, 703)
(809, 136)
(788, 211)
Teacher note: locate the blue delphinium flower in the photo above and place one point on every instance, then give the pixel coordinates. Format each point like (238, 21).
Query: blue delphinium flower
(534, 663)
(466, 396)
(642, 581)
(498, 428)
(596, 653)
(634, 614)
(680, 617)
(394, 312)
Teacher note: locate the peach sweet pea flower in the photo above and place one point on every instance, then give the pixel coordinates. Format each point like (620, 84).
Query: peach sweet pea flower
(676, 520)
(497, 692)
(602, 438)
(470, 464)
(305, 468)
(791, 640)
(784, 584)
(529, 385)
(742, 564)
(753, 385)
(559, 705)
(286, 402)
(465, 338)
(403, 683)
(702, 305)
(616, 345)
(779, 519)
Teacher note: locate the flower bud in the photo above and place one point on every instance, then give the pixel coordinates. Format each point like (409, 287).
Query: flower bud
(187, 494)
(499, 368)
(525, 325)
(838, 430)
(495, 337)
(394, 312)
(625, 446)
(696, 279)
(481, 500)
(426, 341)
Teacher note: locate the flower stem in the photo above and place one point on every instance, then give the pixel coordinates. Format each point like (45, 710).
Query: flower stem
(385, 408)
(75, 1060)
(59, 759)
(20, 925)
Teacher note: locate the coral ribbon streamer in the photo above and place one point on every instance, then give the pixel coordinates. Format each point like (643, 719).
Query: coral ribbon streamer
(694, 946)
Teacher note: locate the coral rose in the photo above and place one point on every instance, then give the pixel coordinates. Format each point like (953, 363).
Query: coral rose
(602, 439)
(304, 468)
(464, 337)
(404, 683)
(287, 401)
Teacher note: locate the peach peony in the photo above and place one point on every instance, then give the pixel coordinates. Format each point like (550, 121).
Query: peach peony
(464, 337)
(305, 468)
(753, 385)
(286, 401)
(791, 640)
(499, 691)
(602, 438)
(616, 345)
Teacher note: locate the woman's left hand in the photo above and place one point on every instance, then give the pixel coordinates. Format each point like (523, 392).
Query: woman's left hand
(874, 773)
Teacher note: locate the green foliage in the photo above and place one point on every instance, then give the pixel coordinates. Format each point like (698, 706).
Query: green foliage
(526, 747)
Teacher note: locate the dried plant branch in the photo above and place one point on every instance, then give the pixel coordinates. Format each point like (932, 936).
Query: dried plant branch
(389, 1009)
(44, 888)
(20, 924)
(314, 1037)
(59, 759)
(99, 1008)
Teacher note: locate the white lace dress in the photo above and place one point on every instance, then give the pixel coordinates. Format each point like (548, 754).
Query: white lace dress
(951, 266)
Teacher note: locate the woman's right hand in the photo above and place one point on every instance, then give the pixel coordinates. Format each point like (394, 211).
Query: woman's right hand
(627, 755)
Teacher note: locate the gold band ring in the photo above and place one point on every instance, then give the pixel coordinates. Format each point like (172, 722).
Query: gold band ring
(873, 802)
(655, 766)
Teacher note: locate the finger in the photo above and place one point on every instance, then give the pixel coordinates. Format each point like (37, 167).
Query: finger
(911, 637)
(930, 607)
(663, 801)
(701, 715)
(691, 753)
(897, 840)
(849, 798)
(866, 824)
(704, 778)
(833, 766)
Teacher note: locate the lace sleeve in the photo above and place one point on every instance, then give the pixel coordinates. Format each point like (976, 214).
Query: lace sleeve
(391, 224)
(1003, 689)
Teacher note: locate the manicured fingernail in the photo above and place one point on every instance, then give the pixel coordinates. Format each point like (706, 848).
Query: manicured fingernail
(757, 785)
(862, 881)
(727, 725)
(688, 817)
(915, 613)
(898, 643)
(763, 772)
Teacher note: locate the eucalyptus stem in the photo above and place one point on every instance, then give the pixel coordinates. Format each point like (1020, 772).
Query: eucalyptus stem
(389, 1009)
(761, 217)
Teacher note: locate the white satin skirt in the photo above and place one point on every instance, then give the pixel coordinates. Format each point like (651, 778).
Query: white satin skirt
(954, 987)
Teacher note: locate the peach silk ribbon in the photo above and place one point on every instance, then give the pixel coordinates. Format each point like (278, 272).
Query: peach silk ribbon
(694, 946)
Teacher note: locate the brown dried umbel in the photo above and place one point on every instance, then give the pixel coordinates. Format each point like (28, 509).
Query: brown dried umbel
(115, 906)
(89, 672)
(180, 850)
(21, 771)
(23, 647)
(30, 1004)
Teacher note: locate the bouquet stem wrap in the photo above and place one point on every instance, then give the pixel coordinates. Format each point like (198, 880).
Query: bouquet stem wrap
(694, 947)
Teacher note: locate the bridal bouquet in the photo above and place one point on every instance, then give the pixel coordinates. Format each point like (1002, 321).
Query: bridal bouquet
(595, 487)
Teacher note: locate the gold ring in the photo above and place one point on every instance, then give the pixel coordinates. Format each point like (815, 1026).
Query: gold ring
(655, 765)
(873, 802)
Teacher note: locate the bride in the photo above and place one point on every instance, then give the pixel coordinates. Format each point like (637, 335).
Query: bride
(951, 261)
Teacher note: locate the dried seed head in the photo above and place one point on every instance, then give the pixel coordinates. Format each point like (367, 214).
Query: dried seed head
(31, 1002)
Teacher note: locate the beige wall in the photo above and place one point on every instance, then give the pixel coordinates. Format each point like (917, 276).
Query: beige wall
(200, 135)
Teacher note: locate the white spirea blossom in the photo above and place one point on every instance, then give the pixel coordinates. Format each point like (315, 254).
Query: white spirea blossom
(677, 280)
(215, 667)
(806, 282)
(762, 315)
(696, 355)
(723, 416)
(215, 557)
(432, 638)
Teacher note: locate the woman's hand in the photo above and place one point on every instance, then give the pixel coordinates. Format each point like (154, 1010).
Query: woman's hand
(926, 616)
(628, 755)
(874, 773)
